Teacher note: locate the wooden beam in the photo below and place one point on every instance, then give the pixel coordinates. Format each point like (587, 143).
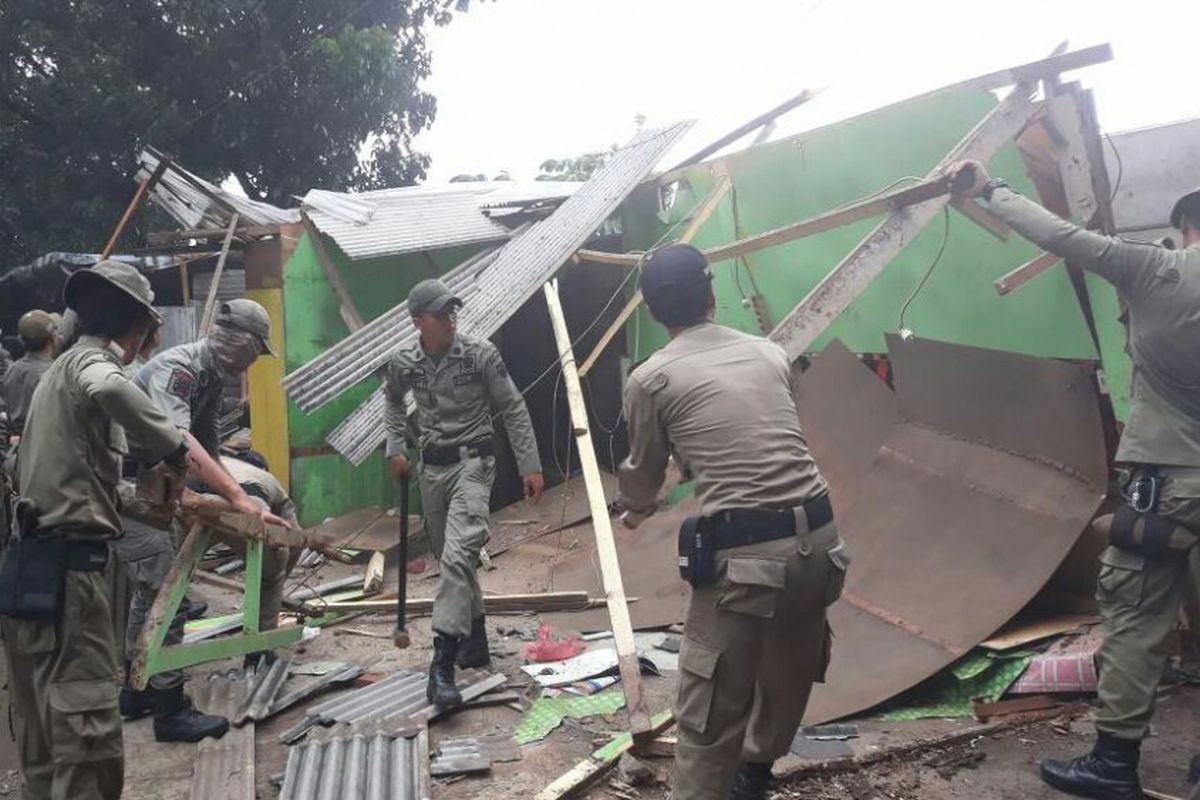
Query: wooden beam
(699, 217)
(1025, 273)
(139, 197)
(210, 302)
(834, 294)
(350, 315)
(748, 127)
(162, 238)
(855, 212)
(585, 774)
(606, 548)
(627, 260)
(492, 604)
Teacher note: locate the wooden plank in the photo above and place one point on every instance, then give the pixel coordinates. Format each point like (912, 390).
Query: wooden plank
(701, 215)
(748, 127)
(164, 238)
(834, 294)
(985, 711)
(1018, 633)
(585, 774)
(493, 604)
(606, 550)
(983, 218)
(350, 315)
(1025, 273)
(139, 197)
(210, 302)
(838, 217)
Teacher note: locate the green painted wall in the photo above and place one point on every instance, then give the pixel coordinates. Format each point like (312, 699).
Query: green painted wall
(325, 484)
(814, 172)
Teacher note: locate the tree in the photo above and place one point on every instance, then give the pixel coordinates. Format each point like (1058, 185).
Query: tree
(281, 94)
(574, 169)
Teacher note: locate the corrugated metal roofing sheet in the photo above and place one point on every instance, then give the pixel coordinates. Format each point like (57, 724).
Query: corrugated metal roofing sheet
(378, 766)
(195, 203)
(522, 266)
(396, 221)
(224, 768)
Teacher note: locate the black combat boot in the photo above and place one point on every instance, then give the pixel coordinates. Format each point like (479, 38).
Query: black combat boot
(474, 651)
(752, 781)
(135, 703)
(441, 690)
(1109, 772)
(176, 720)
(193, 609)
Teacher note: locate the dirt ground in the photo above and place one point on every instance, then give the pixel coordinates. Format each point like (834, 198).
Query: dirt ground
(1007, 769)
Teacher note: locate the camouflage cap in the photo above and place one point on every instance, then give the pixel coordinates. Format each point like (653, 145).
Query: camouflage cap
(36, 326)
(246, 315)
(117, 274)
(430, 295)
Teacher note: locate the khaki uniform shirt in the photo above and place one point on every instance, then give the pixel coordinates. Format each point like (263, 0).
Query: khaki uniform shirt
(184, 382)
(19, 382)
(269, 488)
(1162, 289)
(69, 460)
(456, 397)
(721, 401)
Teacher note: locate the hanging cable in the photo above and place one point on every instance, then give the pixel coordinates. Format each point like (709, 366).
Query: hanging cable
(928, 272)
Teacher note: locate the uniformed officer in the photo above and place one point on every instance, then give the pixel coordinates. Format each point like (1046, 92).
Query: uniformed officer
(249, 469)
(39, 334)
(59, 644)
(1144, 572)
(764, 559)
(186, 383)
(459, 383)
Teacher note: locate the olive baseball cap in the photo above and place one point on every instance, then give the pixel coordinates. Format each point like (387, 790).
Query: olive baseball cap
(246, 315)
(36, 326)
(431, 295)
(117, 274)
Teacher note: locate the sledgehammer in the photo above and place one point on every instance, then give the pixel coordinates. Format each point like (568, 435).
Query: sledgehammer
(400, 635)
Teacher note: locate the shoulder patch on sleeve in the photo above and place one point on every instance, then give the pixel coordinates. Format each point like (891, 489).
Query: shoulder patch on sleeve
(657, 383)
(181, 383)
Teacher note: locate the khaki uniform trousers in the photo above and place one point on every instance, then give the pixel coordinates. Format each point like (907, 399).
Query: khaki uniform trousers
(1140, 599)
(456, 501)
(754, 642)
(62, 687)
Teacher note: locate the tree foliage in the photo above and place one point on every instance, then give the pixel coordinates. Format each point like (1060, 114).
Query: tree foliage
(282, 94)
(579, 168)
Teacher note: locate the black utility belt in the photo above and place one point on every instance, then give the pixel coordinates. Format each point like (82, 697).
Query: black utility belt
(33, 573)
(443, 455)
(701, 538)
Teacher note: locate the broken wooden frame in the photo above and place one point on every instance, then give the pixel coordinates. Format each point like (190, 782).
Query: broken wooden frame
(153, 656)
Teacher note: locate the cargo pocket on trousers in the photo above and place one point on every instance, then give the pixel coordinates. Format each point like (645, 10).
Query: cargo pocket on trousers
(839, 557)
(698, 664)
(1122, 577)
(753, 585)
(84, 723)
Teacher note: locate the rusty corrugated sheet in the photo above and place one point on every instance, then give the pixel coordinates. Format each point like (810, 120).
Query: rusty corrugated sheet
(992, 468)
(521, 267)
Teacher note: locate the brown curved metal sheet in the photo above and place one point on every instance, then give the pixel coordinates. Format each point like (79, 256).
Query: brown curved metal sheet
(991, 467)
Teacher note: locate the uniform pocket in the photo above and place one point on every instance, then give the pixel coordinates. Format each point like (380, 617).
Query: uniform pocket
(84, 722)
(1122, 577)
(753, 585)
(839, 558)
(698, 668)
(478, 476)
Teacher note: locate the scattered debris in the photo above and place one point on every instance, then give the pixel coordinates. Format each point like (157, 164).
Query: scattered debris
(947, 765)
(459, 756)
(634, 772)
(670, 643)
(548, 713)
(224, 768)
(260, 696)
(552, 648)
(376, 765)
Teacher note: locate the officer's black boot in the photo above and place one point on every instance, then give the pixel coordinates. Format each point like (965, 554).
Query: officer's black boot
(1109, 772)
(135, 703)
(441, 690)
(176, 720)
(752, 781)
(473, 652)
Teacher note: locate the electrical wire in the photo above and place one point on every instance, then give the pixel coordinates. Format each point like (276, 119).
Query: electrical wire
(928, 272)
(1120, 167)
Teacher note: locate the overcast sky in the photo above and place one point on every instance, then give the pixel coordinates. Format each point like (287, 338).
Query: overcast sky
(520, 81)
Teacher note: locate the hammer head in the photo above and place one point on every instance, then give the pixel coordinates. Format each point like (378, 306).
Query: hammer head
(400, 639)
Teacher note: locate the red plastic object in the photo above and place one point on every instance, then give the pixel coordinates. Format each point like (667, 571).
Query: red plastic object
(549, 648)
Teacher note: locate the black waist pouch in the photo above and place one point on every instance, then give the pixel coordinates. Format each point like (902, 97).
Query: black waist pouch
(697, 558)
(32, 578)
